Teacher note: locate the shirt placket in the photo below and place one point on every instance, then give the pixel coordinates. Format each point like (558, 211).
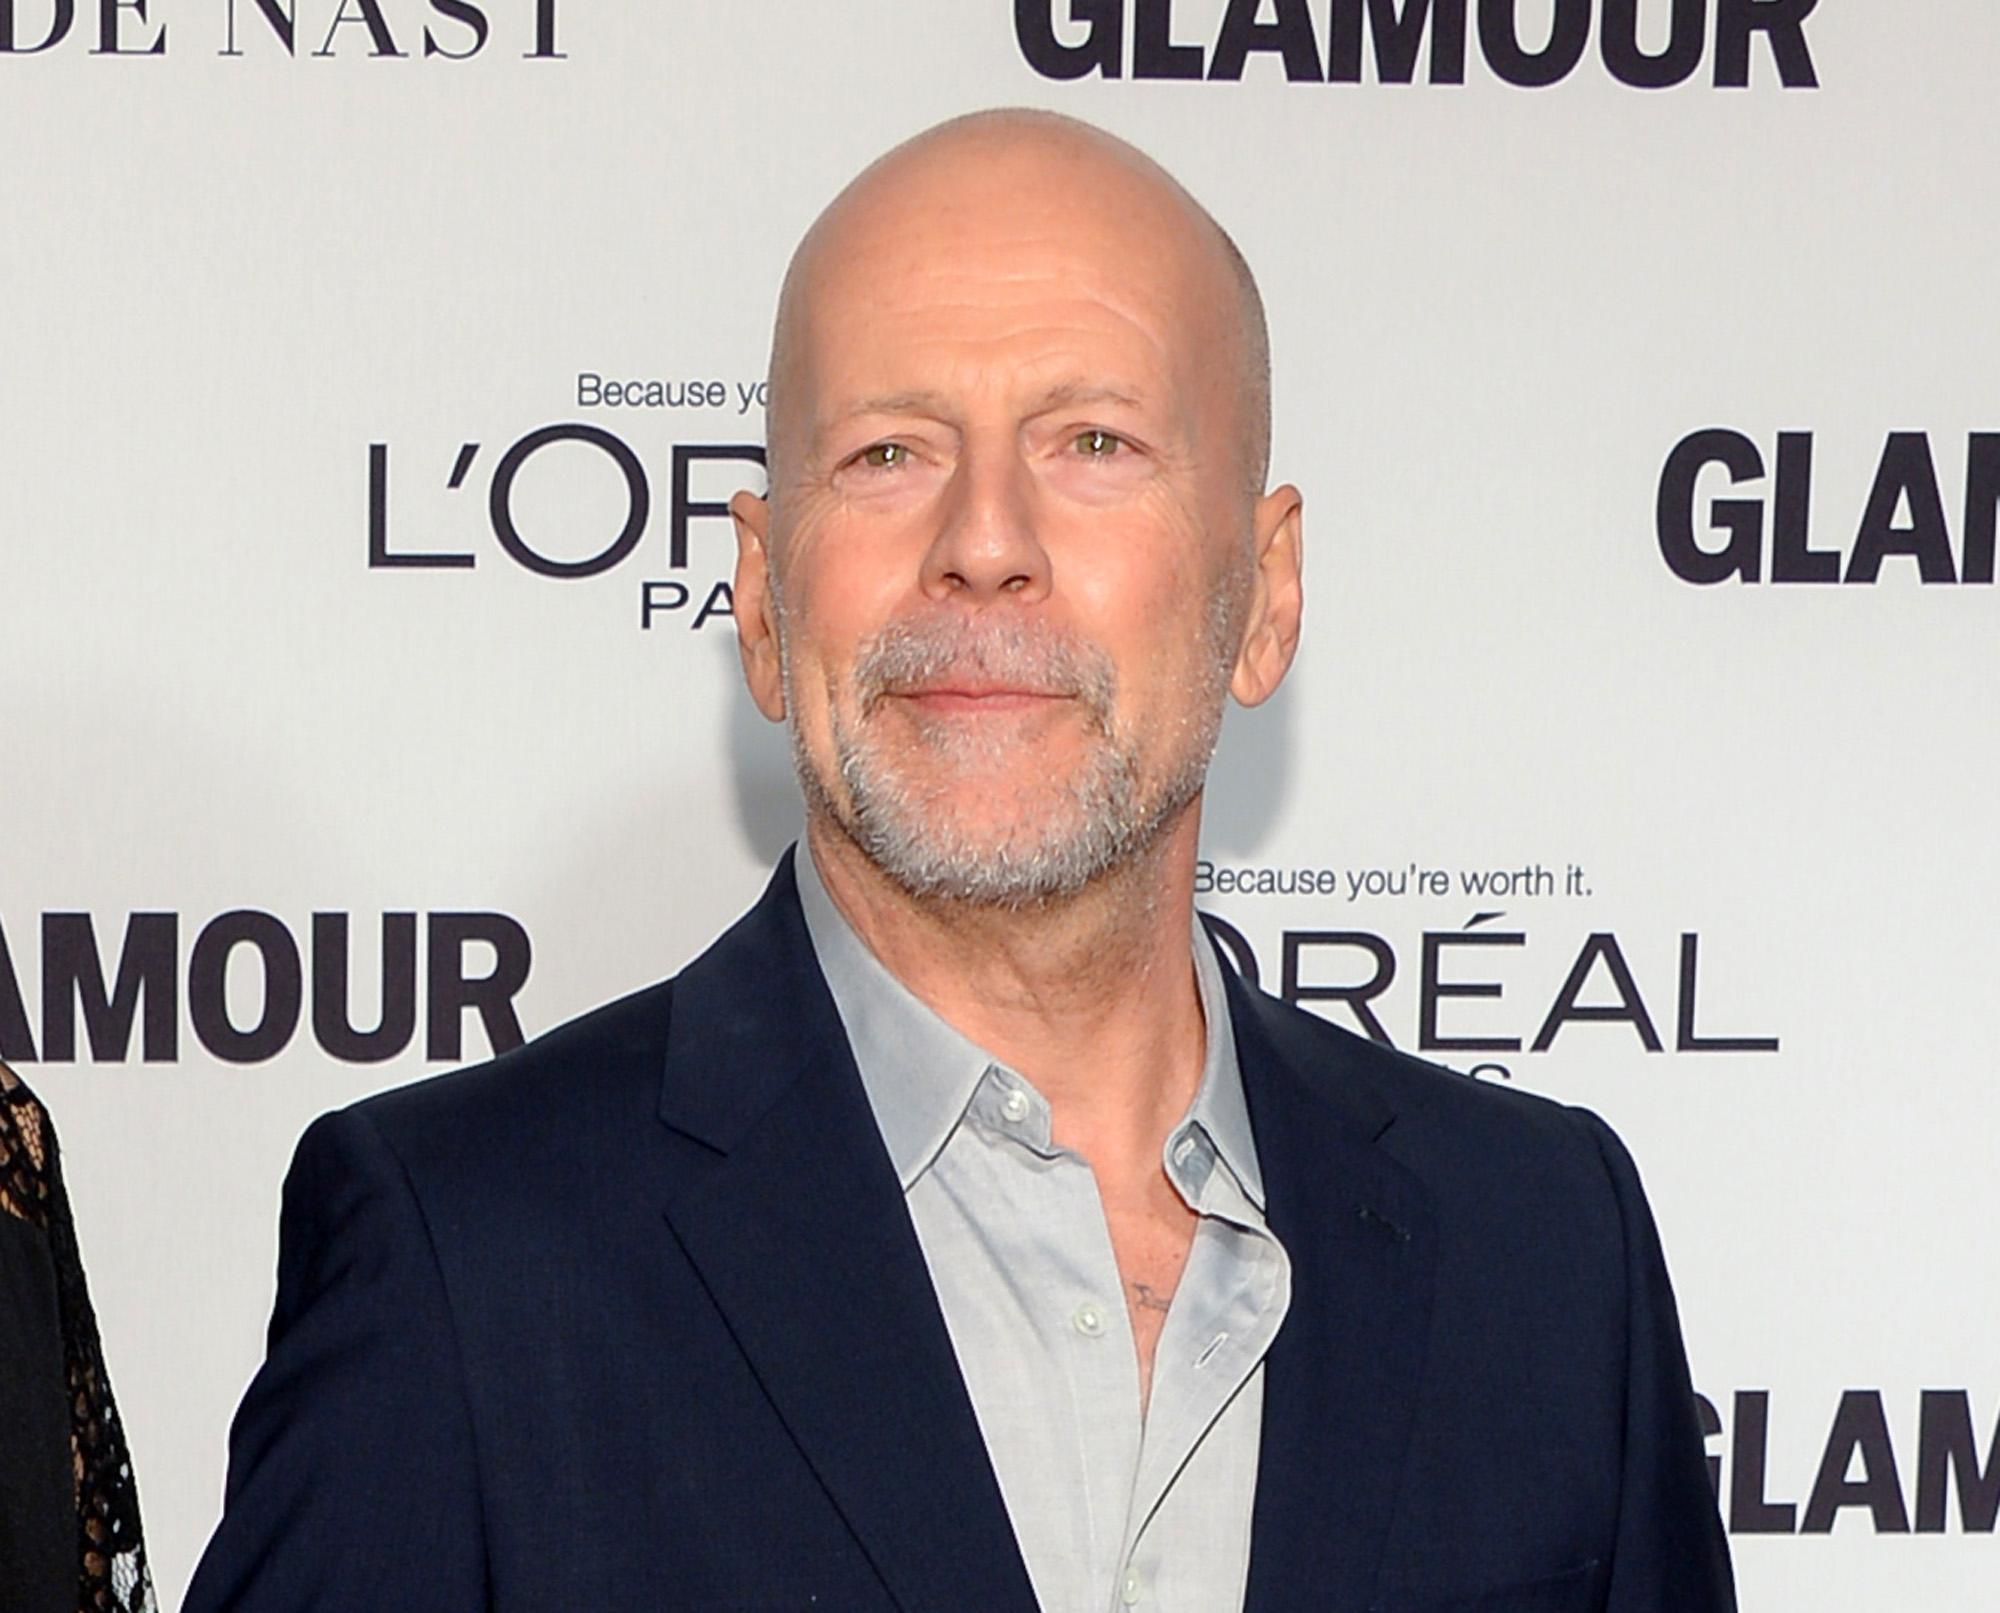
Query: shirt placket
(1058, 1231)
(1226, 1311)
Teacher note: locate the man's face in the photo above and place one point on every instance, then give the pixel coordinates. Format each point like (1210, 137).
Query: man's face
(1010, 538)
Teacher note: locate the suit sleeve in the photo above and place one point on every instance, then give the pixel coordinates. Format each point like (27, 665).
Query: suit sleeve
(1671, 1555)
(352, 1474)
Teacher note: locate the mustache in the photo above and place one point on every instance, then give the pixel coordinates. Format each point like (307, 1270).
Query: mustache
(923, 652)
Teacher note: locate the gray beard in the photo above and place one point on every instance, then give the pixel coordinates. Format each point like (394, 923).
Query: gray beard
(1067, 834)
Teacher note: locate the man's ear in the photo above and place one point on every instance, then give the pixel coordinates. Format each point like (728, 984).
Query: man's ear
(755, 607)
(1277, 598)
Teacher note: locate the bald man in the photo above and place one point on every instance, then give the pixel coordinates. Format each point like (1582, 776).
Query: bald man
(957, 1233)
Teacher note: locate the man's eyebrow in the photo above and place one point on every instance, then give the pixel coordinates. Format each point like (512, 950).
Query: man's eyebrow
(1064, 394)
(1068, 393)
(924, 403)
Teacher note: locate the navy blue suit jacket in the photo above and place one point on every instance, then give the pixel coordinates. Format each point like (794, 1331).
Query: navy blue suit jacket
(634, 1317)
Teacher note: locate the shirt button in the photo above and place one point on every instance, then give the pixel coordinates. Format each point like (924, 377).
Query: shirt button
(1089, 1320)
(1182, 1149)
(1015, 1105)
(1129, 1592)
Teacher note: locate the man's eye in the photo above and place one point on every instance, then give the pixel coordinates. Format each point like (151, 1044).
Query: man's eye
(885, 456)
(1097, 444)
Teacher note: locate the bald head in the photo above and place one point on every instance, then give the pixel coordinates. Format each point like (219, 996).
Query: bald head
(999, 186)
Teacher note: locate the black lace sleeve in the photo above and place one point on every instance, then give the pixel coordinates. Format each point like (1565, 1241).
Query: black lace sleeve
(112, 1576)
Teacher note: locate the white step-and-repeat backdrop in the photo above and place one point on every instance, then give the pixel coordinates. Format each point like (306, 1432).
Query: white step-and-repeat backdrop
(373, 375)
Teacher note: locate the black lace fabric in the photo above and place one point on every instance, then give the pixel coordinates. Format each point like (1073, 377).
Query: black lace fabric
(112, 1576)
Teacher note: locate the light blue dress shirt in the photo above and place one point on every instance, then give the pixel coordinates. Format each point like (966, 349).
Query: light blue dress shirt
(1113, 1508)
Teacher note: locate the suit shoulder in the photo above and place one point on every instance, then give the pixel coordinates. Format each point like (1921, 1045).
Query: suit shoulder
(1431, 1113)
(1514, 1183)
(587, 1075)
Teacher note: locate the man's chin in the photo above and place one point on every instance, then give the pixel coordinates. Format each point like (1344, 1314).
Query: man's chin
(997, 807)
(984, 851)
(998, 876)
(1001, 752)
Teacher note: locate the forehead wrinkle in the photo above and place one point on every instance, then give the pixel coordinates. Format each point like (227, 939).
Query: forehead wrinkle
(1091, 348)
(925, 358)
(1071, 274)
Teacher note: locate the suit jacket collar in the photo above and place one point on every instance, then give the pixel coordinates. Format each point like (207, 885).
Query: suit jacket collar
(1342, 1378)
(793, 1216)
(789, 1210)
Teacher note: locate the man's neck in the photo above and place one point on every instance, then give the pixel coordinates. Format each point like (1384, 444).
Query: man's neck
(1093, 998)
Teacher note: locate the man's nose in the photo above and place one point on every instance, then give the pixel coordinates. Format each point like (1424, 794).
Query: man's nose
(987, 545)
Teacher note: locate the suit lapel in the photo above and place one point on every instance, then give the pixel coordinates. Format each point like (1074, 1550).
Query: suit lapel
(792, 1215)
(1341, 1380)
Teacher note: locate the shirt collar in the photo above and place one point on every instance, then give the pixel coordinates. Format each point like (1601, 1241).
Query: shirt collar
(1219, 1107)
(921, 1075)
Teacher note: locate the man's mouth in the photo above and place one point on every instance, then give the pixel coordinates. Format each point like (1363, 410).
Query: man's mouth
(972, 697)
